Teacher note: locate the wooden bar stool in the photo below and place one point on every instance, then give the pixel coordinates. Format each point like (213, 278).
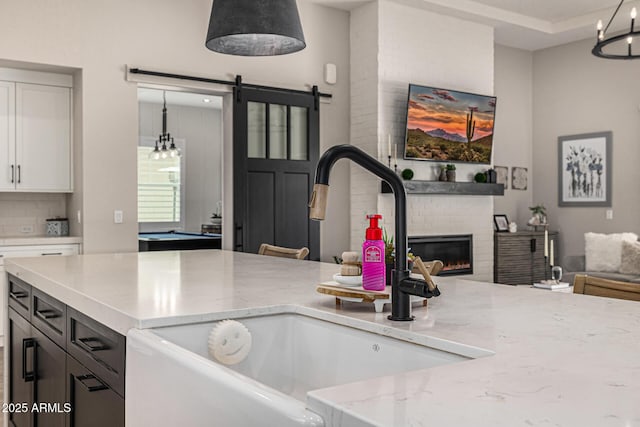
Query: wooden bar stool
(589, 285)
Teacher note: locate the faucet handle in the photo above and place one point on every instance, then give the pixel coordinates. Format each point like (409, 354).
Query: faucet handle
(425, 273)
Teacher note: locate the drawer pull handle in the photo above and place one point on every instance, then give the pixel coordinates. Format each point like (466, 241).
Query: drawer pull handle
(26, 344)
(92, 344)
(91, 388)
(47, 314)
(18, 295)
(51, 253)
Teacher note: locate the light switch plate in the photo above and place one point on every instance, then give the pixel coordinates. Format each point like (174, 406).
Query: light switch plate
(118, 217)
(609, 214)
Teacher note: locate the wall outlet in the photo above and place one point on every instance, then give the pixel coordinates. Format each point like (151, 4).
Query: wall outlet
(609, 214)
(118, 217)
(26, 229)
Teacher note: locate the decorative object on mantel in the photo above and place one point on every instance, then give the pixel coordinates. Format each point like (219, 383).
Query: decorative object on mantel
(480, 178)
(164, 137)
(602, 41)
(443, 173)
(513, 227)
(584, 170)
(538, 217)
(492, 177)
(502, 175)
(518, 178)
(407, 174)
(501, 222)
(255, 27)
(451, 173)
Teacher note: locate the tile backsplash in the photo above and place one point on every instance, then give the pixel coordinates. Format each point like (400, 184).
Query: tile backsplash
(23, 210)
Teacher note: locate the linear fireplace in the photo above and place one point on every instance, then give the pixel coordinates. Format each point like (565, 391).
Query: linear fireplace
(456, 252)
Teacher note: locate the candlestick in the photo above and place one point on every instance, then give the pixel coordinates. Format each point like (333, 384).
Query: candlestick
(389, 159)
(546, 269)
(551, 257)
(546, 243)
(389, 143)
(395, 153)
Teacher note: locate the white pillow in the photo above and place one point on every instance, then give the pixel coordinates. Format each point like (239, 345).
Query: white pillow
(630, 259)
(603, 251)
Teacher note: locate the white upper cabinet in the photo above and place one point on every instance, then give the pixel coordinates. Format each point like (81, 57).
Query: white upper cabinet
(43, 138)
(7, 135)
(35, 132)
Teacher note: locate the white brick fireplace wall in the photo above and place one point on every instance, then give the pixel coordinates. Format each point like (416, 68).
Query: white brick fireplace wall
(393, 45)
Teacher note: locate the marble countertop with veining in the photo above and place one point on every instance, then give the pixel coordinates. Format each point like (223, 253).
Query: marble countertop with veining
(559, 359)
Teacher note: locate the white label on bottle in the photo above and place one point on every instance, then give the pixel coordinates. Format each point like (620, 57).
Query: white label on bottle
(372, 254)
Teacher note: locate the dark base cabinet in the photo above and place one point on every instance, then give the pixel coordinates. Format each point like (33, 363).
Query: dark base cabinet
(94, 403)
(48, 387)
(20, 382)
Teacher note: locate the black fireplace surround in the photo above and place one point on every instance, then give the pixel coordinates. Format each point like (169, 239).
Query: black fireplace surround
(455, 252)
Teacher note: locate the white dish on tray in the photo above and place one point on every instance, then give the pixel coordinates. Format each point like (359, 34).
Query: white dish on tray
(348, 280)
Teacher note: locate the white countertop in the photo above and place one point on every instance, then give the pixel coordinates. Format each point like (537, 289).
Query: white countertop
(560, 359)
(38, 240)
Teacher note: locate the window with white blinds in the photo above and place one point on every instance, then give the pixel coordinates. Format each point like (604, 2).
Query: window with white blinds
(159, 188)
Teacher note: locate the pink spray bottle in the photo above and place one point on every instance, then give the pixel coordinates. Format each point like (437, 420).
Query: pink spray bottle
(373, 267)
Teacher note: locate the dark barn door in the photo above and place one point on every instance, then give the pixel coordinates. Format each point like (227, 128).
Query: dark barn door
(276, 148)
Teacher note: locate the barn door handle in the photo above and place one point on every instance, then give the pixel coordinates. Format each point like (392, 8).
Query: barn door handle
(239, 241)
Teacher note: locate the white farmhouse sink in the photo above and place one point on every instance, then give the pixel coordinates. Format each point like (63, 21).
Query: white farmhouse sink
(291, 354)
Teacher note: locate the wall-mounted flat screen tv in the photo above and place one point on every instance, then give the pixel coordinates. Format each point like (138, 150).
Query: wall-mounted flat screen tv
(449, 126)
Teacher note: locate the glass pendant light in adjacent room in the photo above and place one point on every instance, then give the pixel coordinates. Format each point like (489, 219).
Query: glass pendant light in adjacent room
(255, 27)
(161, 151)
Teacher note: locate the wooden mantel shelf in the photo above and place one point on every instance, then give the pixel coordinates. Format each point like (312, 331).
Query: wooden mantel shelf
(453, 188)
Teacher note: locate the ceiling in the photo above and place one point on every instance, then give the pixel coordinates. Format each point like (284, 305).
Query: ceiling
(526, 24)
(154, 96)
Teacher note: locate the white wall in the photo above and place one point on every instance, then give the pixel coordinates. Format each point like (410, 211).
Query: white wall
(513, 129)
(201, 128)
(576, 92)
(100, 38)
(421, 47)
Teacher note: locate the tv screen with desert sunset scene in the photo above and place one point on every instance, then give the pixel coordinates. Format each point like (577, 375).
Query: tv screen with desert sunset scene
(449, 126)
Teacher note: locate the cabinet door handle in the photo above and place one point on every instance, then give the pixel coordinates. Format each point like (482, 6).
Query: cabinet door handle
(86, 343)
(18, 295)
(28, 343)
(51, 253)
(13, 174)
(533, 245)
(91, 388)
(47, 314)
(19, 174)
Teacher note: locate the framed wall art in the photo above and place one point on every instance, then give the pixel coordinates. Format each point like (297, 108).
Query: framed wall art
(502, 175)
(519, 179)
(584, 169)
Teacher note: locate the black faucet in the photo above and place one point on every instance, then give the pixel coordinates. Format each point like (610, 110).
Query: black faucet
(402, 286)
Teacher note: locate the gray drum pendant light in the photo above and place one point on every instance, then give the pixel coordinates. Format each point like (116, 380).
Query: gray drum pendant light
(255, 27)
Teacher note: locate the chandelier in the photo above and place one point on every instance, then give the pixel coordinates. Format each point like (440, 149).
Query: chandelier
(161, 151)
(602, 40)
